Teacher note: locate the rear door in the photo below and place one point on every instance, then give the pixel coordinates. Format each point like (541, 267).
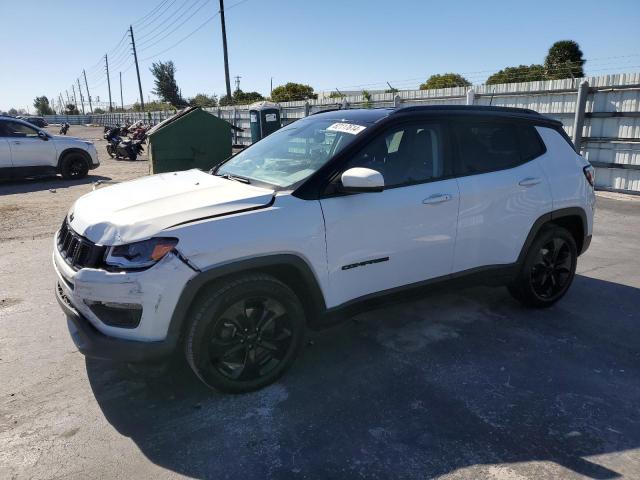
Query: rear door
(503, 190)
(27, 148)
(405, 234)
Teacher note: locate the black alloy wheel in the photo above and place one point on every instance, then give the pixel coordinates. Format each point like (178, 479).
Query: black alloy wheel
(552, 269)
(548, 268)
(251, 339)
(244, 332)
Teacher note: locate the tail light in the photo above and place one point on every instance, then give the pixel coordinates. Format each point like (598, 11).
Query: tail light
(590, 175)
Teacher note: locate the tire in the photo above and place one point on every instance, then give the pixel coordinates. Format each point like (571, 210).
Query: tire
(245, 333)
(74, 166)
(110, 150)
(132, 156)
(548, 269)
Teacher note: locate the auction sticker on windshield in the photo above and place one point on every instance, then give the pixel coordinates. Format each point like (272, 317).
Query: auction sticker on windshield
(351, 128)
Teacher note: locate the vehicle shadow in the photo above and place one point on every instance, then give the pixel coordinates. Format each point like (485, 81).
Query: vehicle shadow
(36, 184)
(412, 390)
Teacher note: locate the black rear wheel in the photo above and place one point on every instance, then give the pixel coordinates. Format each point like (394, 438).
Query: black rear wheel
(548, 269)
(245, 334)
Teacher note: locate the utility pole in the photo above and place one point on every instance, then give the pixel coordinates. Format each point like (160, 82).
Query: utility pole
(135, 58)
(121, 101)
(68, 99)
(106, 63)
(88, 94)
(81, 97)
(61, 103)
(224, 49)
(75, 99)
(237, 77)
(271, 89)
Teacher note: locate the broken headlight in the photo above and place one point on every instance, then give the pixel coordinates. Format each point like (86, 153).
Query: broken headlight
(140, 254)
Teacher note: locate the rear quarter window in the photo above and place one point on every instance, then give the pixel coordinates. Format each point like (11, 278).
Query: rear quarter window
(531, 145)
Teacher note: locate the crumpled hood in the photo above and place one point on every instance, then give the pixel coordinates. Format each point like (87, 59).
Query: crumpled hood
(139, 209)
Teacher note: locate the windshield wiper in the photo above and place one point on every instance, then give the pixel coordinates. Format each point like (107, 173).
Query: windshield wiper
(228, 176)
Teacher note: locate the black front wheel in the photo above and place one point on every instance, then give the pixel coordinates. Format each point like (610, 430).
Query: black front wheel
(548, 269)
(245, 334)
(74, 166)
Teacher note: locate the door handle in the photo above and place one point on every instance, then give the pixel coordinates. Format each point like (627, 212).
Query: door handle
(437, 198)
(16, 142)
(529, 181)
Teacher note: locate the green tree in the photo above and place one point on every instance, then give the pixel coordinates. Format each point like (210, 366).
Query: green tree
(98, 110)
(203, 100)
(521, 73)
(241, 98)
(291, 92)
(13, 112)
(42, 106)
(165, 83)
(446, 80)
(366, 95)
(564, 60)
(336, 95)
(152, 107)
(71, 109)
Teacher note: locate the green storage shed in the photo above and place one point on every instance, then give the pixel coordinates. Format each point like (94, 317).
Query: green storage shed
(192, 138)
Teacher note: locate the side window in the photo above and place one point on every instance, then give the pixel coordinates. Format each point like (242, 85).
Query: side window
(3, 130)
(406, 155)
(486, 146)
(531, 145)
(15, 129)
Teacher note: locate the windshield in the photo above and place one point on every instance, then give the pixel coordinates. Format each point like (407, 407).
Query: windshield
(293, 153)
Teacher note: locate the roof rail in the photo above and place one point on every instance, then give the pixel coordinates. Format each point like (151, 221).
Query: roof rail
(472, 108)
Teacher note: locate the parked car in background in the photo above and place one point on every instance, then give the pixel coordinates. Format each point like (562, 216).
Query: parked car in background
(336, 209)
(26, 150)
(37, 121)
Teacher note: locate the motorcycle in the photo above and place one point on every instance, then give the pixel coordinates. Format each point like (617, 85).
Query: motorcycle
(64, 128)
(122, 148)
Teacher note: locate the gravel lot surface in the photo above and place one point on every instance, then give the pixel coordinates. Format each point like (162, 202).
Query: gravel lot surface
(457, 384)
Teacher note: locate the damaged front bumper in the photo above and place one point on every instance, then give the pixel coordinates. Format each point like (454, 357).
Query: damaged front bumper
(86, 295)
(95, 344)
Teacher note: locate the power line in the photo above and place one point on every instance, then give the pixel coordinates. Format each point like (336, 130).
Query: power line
(159, 28)
(202, 25)
(146, 17)
(159, 15)
(190, 34)
(146, 45)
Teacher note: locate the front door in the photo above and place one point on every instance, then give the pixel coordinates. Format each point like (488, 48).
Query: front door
(404, 234)
(27, 148)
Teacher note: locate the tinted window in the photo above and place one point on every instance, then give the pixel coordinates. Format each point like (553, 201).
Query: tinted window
(15, 129)
(409, 154)
(530, 144)
(485, 146)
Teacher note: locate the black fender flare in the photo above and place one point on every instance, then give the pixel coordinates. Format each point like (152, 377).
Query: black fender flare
(548, 218)
(311, 287)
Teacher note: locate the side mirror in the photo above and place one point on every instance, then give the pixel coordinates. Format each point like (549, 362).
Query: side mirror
(43, 135)
(360, 179)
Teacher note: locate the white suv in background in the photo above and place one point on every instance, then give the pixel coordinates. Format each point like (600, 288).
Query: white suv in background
(318, 218)
(27, 150)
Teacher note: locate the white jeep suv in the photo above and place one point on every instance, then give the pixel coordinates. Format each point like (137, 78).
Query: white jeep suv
(231, 266)
(27, 150)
